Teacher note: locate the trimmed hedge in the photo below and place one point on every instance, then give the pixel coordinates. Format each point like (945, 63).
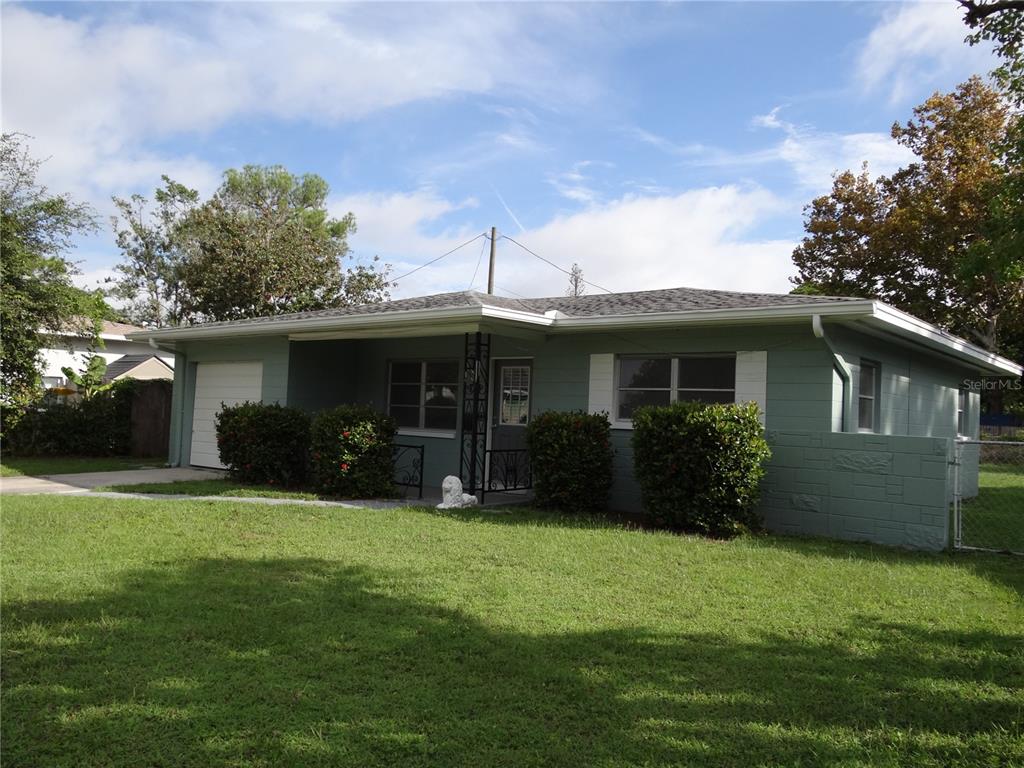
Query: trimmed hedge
(699, 466)
(97, 426)
(352, 452)
(571, 460)
(264, 444)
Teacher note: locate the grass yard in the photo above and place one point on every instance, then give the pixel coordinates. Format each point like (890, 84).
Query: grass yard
(185, 633)
(13, 466)
(994, 519)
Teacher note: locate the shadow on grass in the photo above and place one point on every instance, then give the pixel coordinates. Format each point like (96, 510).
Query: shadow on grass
(304, 663)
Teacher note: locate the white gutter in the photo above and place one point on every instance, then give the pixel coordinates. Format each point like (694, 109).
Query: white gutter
(552, 320)
(865, 310)
(840, 365)
(909, 325)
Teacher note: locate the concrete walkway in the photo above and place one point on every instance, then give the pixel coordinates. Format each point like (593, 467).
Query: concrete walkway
(85, 481)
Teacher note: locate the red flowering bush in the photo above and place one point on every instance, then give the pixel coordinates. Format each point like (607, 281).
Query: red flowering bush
(571, 460)
(700, 466)
(352, 452)
(264, 444)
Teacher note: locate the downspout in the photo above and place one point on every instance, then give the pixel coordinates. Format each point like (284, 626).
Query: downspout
(840, 366)
(175, 461)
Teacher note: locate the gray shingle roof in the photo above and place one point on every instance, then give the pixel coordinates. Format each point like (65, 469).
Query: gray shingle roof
(597, 305)
(125, 363)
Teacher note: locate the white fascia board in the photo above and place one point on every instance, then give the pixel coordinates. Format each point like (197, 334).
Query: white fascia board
(912, 327)
(847, 309)
(311, 324)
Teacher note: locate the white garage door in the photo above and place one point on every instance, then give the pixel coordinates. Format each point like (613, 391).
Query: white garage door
(219, 384)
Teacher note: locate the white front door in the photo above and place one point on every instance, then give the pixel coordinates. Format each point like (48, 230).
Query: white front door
(217, 385)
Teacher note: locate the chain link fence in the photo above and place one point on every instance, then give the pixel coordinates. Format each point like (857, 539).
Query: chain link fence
(988, 502)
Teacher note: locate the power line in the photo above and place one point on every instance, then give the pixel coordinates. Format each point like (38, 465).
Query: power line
(506, 290)
(478, 260)
(433, 261)
(548, 261)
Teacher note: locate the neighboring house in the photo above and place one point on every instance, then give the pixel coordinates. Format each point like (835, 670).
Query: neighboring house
(859, 399)
(142, 367)
(70, 349)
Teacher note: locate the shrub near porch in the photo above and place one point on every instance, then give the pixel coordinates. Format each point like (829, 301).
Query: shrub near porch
(571, 460)
(352, 452)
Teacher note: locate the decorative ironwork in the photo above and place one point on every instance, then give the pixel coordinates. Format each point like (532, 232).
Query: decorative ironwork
(508, 469)
(408, 461)
(476, 371)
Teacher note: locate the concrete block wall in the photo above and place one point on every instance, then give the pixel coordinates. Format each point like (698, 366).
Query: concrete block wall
(886, 489)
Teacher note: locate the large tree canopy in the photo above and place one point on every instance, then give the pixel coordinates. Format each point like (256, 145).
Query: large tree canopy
(929, 238)
(38, 297)
(263, 244)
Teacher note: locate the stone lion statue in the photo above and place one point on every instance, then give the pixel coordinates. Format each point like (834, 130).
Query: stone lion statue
(452, 496)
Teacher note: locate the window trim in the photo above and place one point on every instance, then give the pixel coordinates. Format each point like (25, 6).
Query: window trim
(529, 396)
(422, 430)
(673, 388)
(875, 397)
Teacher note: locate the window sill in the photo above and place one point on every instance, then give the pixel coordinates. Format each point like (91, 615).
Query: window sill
(628, 425)
(426, 433)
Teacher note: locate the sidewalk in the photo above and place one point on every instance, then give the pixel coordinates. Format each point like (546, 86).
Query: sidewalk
(85, 481)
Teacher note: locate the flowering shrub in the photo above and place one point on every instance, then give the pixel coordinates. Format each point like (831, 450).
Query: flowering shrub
(571, 460)
(699, 466)
(264, 444)
(352, 447)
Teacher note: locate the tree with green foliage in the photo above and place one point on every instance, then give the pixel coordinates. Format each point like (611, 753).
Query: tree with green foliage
(1002, 23)
(38, 297)
(149, 284)
(926, 239)
(263, 244)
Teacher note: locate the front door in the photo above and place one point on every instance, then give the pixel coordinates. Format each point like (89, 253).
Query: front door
(510, 405)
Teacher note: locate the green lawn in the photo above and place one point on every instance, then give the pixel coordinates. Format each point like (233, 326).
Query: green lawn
(213, 487)
(185, 633)
(994, 519)
(13, 466)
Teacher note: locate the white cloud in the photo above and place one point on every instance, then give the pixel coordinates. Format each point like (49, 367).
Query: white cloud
(699, 238)
(812, 155)
(815, 155)
(404, 229)
(919, 45)
(97, 92)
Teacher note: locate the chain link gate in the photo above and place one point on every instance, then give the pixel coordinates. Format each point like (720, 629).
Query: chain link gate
(988, 496)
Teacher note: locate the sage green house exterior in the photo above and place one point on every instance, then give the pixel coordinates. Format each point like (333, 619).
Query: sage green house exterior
(799, 358)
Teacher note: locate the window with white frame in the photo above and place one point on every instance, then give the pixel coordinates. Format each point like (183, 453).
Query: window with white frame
(868, 397)
(423, 394)
(961, 413)
(514, 409)
(660, 380)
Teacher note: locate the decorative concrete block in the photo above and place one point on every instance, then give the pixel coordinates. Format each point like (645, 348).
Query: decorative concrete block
(863, 461)
(807, 501)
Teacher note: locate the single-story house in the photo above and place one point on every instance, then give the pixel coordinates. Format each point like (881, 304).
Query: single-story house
(141, 367)
(463, 373)
(71, 349)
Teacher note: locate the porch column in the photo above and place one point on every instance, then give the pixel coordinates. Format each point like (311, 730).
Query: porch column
(476, 372)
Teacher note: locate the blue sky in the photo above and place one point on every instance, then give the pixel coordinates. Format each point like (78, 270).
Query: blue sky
(655, 144)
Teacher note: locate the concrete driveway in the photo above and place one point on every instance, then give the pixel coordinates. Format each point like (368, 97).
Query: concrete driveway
(86, 481)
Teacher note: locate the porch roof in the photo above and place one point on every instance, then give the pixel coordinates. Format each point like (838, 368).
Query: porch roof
(468, 311)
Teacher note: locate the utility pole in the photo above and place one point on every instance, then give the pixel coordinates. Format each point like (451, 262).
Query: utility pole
(490, 271)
